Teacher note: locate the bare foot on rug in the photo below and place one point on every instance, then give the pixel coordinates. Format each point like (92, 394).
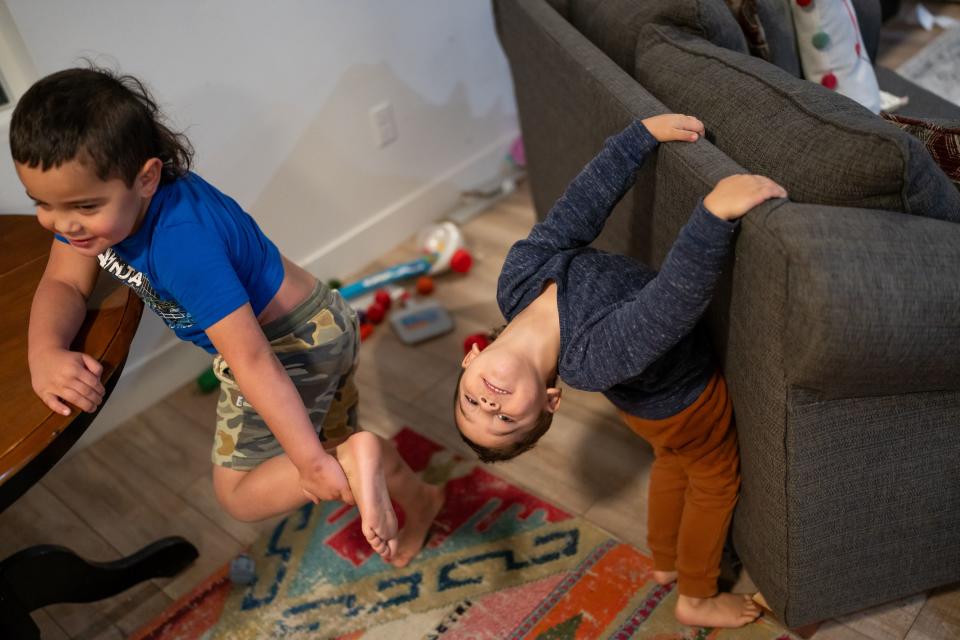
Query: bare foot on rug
(422, 508)
(362, 461)
(727, 610)
(665, 577)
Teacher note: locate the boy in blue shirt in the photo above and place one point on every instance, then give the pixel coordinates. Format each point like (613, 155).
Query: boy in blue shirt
(604, 322)
(112, 182)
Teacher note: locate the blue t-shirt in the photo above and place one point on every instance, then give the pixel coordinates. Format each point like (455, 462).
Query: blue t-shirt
(196, 258)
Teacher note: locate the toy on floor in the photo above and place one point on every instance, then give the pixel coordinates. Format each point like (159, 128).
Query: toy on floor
(397, 272)
(375, 313)
(243, 570)
(421, 321)
(366, 330)
(443, 245)
(517, 154)
(383, 298)
(207, 381)
(482, 341)
(445, 242)
(425, 285)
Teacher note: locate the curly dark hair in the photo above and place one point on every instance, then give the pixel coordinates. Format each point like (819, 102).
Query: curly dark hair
(99, 117)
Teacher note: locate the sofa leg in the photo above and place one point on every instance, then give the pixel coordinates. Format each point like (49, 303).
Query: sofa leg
(806, 631)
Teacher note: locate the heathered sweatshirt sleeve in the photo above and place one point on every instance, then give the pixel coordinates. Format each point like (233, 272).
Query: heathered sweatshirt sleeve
(618, 345)
(578, 217)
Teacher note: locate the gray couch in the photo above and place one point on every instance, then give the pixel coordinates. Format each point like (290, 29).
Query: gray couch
(838, 324)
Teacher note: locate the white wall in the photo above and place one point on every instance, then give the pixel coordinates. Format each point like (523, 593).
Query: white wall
(275, 98)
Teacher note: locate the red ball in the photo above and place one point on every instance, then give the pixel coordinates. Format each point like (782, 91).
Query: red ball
(376, 312)
(829, 81)
(461, 261)
(479, 339)
(424, 285)
(804, 3)
(366, 330)
(383, 298)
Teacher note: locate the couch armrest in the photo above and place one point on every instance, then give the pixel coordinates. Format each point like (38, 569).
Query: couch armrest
(873, 300)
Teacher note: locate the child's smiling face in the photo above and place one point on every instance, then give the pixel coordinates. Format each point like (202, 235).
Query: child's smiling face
(499, 399)
(92, 214)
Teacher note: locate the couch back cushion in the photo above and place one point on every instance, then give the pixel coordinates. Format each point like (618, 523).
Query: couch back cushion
(614, 25)
(777, 24)
(821, 146)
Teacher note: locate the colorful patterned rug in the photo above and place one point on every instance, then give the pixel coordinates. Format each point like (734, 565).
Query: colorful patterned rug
(499, 564)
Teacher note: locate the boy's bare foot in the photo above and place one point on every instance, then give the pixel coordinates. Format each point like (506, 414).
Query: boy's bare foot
(727, 610)
(361, 458)
(665, 577)
(419, 514)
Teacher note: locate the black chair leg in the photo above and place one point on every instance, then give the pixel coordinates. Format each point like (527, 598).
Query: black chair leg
(48, 574)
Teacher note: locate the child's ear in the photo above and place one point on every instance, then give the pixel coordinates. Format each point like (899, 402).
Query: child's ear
(471, 356)
(553, 400)
(149, 177)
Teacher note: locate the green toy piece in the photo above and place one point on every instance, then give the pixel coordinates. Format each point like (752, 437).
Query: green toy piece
(207, 381)
(333, 283)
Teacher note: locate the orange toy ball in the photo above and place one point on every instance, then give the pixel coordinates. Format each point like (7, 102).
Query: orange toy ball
(425, 285)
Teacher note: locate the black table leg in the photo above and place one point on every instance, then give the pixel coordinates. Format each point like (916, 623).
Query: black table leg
(48, 574)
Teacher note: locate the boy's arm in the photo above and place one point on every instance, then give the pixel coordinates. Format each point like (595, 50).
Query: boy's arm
(58, 309)
(579, 215)
(266, 385)
(624, 342)
(628, 339)
(577, 218)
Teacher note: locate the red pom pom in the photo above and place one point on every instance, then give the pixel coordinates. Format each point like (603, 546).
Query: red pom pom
(366, 329)
(424, 285)
(804, 3)
(829, 81)
(376, 312)
(383, 298)
(461, 261)
(479, 339)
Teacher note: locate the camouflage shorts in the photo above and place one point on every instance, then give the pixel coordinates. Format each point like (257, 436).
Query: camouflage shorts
(317, 345)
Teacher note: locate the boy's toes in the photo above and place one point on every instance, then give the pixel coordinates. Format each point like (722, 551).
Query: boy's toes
(388, 547)
(377, 543)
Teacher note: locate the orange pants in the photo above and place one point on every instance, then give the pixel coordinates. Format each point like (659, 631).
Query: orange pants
(693, 487)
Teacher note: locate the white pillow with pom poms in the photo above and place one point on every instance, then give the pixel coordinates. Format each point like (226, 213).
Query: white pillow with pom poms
(832, 51)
